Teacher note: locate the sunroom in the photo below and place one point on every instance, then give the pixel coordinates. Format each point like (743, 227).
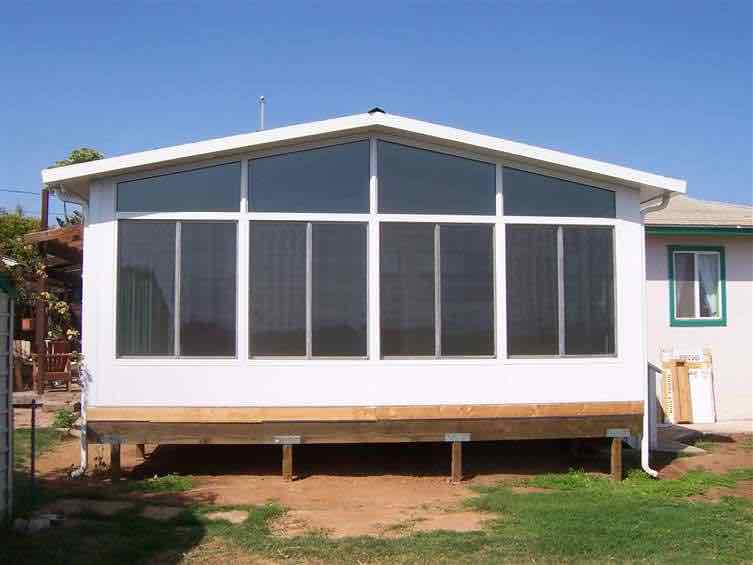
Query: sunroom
(364, 279)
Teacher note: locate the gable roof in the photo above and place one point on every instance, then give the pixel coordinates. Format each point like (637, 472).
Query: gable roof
(691, 212)
(76, 177)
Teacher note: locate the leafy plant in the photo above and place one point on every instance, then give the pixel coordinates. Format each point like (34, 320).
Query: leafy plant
(167, 483)
(64, 418)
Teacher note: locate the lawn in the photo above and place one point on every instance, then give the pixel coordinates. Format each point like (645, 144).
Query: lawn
(566, 518)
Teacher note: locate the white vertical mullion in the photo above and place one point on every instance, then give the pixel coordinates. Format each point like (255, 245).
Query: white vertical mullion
(372, 283)
(561, 289)
(242, 291)
(244, 186)
(499, 271)
(309, 247)
(176, 316)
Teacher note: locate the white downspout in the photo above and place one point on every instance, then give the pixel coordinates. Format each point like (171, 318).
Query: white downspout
(648, 393)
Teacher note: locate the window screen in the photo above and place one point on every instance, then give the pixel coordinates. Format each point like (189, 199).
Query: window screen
(278, 288)
(417, 181)
(209, 189)
(589, 291)
(531, 194)
(407, 289)
(207, 288)
(329, 179)
(467, 296)
(532, 301)
(146, 288)
(541, 320)
(338, 290)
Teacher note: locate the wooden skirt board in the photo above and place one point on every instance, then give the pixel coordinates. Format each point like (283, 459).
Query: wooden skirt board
(553, 423)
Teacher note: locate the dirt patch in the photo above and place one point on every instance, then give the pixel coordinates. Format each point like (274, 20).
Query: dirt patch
(743, 489)
(75, 506)
(232, 516)
(161, 513)
(211, 552)
(725, 453)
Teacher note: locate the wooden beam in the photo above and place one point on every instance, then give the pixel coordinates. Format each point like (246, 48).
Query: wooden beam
(287, 462)
(616, 459)
(456, 474)
(69, 254)
(115, 462)
(142, 450)
(359, 432)
(67, 234)
(172, 414)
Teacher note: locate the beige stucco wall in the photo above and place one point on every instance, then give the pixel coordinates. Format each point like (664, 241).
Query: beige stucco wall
(732, 346)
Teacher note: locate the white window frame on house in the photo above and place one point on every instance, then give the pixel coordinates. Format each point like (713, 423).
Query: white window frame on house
(373, 219)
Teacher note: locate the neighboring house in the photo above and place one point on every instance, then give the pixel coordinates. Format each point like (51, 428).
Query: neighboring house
(371, 278)
(7, 292)
(699, 274)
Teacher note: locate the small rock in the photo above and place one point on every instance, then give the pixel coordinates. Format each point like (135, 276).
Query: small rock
(20, 525)
(38, 524)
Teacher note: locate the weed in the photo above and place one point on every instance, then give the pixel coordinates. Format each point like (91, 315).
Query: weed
(166, 483)
(64, 419)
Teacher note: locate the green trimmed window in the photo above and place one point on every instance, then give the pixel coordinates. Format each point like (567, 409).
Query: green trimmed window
(697, 293)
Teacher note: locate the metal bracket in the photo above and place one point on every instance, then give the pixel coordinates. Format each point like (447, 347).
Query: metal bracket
(618, 432)
(457, 437)
(286, 440)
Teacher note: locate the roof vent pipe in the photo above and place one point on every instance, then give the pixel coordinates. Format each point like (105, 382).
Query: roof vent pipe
(262, 107)
(377, 110)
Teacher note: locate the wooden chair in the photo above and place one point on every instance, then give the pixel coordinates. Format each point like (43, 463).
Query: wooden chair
(58, 368)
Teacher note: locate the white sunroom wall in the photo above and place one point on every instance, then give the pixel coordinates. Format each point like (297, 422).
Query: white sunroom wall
(374, 381)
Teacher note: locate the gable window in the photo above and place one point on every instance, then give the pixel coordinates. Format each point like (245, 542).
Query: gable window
(176, 288)
(326, 179)
(560, 290)
(208, 189)
(417, 181)
(531, 194)
(697, 295)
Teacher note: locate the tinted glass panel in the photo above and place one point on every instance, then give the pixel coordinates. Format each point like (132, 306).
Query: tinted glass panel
(210, 189)
(338, 288)
(425, 182)
(146, 288)
(532, 310)
(278, 288)
(207, 288)
(685, 285)
(529, 194)
(467, 290)
(708, 284)
(330, 179)
(407, 289)
(589, 291)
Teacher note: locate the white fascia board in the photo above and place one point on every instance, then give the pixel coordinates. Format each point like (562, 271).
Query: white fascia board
(352, 124)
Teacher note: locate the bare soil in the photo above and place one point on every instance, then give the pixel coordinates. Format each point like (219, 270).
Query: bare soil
(382, 490)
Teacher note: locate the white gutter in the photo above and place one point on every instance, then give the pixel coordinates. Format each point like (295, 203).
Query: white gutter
(647, 392)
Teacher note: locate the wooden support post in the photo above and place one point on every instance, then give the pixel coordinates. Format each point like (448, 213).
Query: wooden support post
(616, 459)
(457, 462)
(287, 462)
(115, 462)
(40, 307)
(142, 450)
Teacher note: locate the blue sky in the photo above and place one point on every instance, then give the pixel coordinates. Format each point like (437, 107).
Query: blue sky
(661, 86)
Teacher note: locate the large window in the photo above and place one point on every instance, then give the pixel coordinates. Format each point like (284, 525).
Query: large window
(208, 189)
(436, 290)
(308, 289)
(176, 299)
(328, 179)
(560, 290)
(697, 286)
(417, 181)
(531, 194)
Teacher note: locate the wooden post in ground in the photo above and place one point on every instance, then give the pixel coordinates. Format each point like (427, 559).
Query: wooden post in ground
(115, 462)
(457, 462)
(40, 307)
(616, 459)
(287, 462)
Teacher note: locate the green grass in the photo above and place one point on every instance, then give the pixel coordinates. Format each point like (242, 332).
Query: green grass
(166, 483)
(46, 439)
(582, 518)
